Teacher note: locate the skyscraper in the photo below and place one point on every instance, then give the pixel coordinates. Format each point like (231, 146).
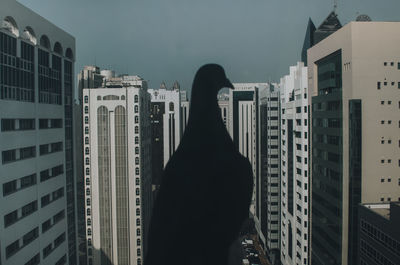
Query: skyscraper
(117, 154)
(268, 225)
(184, 110)
(38, 221)
(165, 119)
(294, 167)
(88, 77)
(243, 126)
(354, 91)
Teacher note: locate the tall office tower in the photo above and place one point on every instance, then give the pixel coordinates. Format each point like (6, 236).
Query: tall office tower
(88, 77)
(308, 40)
(330, 25)
(354, 81)
(184, 110)
(379, 234)
(165, 126)
(268, 226)
(117, 155)
(223, 103)
(37, 202)
(294, 167)
(243, 127)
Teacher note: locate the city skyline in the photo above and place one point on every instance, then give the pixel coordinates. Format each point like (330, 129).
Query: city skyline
(321, 143)
(171, 41)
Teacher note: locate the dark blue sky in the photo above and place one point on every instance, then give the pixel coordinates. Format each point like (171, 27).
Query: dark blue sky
(255, 40)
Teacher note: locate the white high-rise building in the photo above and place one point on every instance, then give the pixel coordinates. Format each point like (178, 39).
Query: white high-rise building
(117, 146)
(268, 218)
(294, 167)
(166, 128)
(184, 110)
(37, 186)
(223, 104)
(243, 126)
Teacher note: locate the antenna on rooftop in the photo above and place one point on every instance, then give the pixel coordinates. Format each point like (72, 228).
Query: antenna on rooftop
(335, 6)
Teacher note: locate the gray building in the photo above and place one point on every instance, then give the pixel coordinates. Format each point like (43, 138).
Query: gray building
(37, 185)
(379, 234)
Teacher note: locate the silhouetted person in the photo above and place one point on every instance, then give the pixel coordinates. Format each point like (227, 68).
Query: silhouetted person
(206, 189)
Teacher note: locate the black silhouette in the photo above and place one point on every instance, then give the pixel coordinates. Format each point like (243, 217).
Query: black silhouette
(207, 185)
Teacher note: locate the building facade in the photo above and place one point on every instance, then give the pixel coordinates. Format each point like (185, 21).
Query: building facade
(268, 225)
(165, 119)
(117, 155)
(184, 110)
(88, 77)
(354, 81)
(243, 127)
(379, 234)
(37, 186)
(295, 166)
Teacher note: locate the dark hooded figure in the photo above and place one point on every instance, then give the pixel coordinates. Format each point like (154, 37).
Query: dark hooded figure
(206, 189)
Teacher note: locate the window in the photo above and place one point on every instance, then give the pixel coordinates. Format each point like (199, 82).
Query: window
(89, 221)
(137, 171)
(379, 85)
(136, 109)
(382, 180)
(137, 191)
(10, 218)
(87, 191)
(136, 160)
(29, 209)
(138, 221)
(137, 201)
(45, 200)
(28, 181)
(86, 99)
(392, 63)
(87, 171)
(137, 212)
(87, 181)
(385, 83)
(86, 140)
(9, 187)
(12, 249)
(46, 225)
(88, 212)
(89, 232)
(86, 120)
(136, 129)
(136, 140)
(136, 99)
(86, 150)
(136, 119)
(30, 236)
(382, 102)
(7, 125)
(138, 242)
(86, 130)
(87, 162)
(136, 150)
(138, 232)
(392, 83)
(86, 109)
(138, 252)
(88, 201)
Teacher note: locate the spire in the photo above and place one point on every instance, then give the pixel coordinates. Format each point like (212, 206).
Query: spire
(176, 86)
(163, 86)
(328, 26)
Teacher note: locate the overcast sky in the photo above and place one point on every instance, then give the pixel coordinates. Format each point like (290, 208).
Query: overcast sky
(254, 40)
